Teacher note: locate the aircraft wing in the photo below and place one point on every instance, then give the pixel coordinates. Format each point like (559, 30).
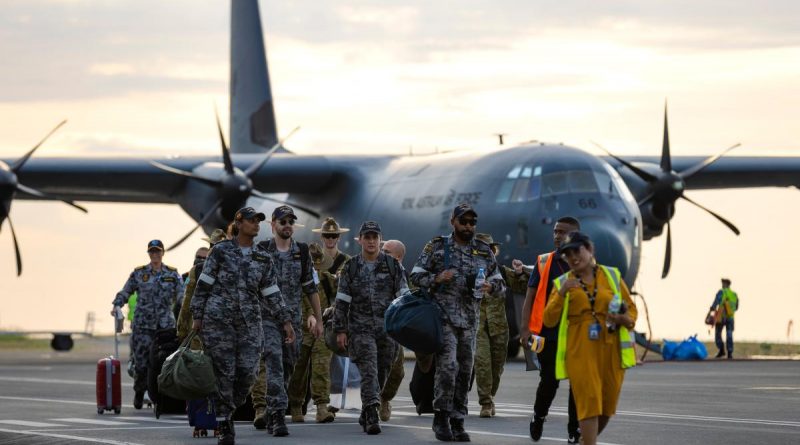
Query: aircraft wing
(136, 180)
(730, 171)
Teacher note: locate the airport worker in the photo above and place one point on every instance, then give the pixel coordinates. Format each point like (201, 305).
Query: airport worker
(158, 287)
(548, 267)
(237, 286)
(185, 314)
(396, 249)
(369, 282)
(492, 338)
(296, 277)
(594, 344)
(447, 267)
(314, 362)
(726, 303)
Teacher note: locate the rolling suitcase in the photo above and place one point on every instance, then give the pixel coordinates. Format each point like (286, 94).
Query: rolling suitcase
(108, 378)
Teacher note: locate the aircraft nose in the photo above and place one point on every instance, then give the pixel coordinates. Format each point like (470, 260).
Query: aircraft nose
(610, 246)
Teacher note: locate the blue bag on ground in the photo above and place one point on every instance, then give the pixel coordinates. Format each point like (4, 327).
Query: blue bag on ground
(691, 349)
(201, 414)
(414, 320)
(668, 350)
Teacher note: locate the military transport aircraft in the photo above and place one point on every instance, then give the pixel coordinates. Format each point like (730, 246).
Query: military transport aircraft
(518, 191)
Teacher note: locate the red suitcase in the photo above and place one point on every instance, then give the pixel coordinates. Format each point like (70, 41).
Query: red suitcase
(109, 387)
(109, 372)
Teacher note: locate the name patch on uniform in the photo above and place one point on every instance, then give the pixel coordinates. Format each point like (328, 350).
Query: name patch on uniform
(168, 279)
(296, 256)
(260, 258)
(480, 252)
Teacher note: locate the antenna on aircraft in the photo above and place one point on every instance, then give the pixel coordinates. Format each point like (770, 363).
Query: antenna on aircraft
(500, 137)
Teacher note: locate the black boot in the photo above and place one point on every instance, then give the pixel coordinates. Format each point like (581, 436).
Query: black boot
(457, 427)
(371, 420)
(268, 417)
(226, 436)
(362, 420)
(441, 426)
(138, 399)
(279, 428)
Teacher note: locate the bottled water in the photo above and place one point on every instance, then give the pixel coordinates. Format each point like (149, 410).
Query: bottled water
(479, 280)
(613, 308)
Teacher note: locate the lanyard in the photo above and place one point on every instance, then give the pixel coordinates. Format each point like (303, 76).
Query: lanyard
(593, 295)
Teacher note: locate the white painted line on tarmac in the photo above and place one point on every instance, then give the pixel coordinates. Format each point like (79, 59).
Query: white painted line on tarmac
(29, 423)
(153, 419)
(66, 436)
(489, 433)
(93, 421)
(53, 381)
(711, 419)
(32, 399)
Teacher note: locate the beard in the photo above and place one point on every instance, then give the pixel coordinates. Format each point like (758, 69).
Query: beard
(465, 235)
(284, 235)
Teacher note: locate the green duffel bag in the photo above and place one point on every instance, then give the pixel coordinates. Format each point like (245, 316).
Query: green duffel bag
(187, 374)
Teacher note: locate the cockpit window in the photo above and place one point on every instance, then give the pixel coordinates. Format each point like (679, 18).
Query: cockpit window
(526, 183)
(523, 183)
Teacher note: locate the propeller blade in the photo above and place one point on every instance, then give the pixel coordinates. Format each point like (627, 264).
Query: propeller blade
(205, 218)
(38, 194)
(666, 158)
(696, 168)
(16, 247)
(667, 254)
(175, 171)
(226, 154)
(299, 206)
(636, 170)
(721, 219)
(21, 161)
(255, 167)
(646, 198)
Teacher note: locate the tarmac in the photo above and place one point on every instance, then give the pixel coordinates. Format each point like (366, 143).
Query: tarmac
(48, 397)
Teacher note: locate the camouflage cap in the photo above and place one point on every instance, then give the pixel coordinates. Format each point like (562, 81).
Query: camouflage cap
(282, 212)
(486, 238)
(462, 209)
(330, 226)
(216, 236)
(247, 213)
(155, 244)
(369, 226)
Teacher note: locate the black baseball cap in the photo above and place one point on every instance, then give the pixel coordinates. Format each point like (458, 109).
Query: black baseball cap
(247, 213)
(155, 244)
(574, 241)
(463, 209)
(369, 226)
(282, 212)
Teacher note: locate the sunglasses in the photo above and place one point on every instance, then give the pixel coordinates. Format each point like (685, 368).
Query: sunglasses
(286, 222)
(468, 221)
(199, 258)
(330, 235)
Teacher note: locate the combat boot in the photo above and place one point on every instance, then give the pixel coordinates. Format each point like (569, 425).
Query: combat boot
(268, 417)
(323, 415)
(441, 426)
(486, 410)
(260, 419)
(457, 427)
(386, 410)
(297, 414)
(362, 420)
(226, 436)
(138, 399)
(279, 428)
(372, 423)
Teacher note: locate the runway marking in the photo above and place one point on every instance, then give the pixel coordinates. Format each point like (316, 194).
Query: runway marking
(713, 419)
(29, 423)
(54, 381)
(93, 421)
(32, 399)
(66, 436)
(489, 433)
(151, 419)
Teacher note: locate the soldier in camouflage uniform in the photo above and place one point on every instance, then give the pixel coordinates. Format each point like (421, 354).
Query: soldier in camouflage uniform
(296, 277)
(158, 287)
(237, 285)
(368, 284)
(447, 267)
(396, 249)
(315, 357)
(492, 341)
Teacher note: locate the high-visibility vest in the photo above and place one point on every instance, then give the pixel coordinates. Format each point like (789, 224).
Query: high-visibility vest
(626, 346)
(730, 302)
(544, 261)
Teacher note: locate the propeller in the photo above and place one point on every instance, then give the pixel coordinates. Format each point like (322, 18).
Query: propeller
(667, 186)
(9, 186)
(234, 187)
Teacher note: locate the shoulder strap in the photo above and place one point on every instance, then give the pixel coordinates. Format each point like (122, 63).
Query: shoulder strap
(352, 267)
(390, 263)
(337, 262)
(305, 256)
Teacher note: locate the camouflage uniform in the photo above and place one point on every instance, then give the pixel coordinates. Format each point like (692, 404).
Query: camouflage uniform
(365, 291)
(185, 315)
(233, 292)
(279, 357)
(157, 293)
(492, 342)
(313, 352)
(460, 314)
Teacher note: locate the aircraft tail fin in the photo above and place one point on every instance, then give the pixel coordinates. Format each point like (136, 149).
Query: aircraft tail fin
(252, 115)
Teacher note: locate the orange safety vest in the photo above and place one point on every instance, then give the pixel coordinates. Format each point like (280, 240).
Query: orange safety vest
(545, 260)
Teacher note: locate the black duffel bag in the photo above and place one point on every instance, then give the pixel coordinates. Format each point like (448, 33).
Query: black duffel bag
(415, 321)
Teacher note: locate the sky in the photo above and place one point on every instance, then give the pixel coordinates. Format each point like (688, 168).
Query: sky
(142, 78)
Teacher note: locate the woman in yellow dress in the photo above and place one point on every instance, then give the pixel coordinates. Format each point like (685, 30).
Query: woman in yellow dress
(594, 345)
